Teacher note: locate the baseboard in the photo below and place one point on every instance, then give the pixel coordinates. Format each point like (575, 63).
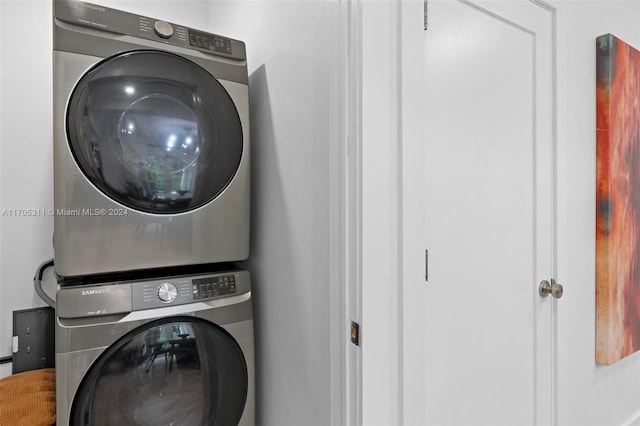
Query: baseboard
(5, 370)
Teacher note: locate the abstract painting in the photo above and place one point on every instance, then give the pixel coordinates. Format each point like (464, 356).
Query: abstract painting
(617, 199)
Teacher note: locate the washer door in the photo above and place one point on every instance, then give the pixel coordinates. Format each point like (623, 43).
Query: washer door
(154, 132)
(175, 371)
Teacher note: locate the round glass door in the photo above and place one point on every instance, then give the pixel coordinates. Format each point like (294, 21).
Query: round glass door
(175, 371)
(154, 132)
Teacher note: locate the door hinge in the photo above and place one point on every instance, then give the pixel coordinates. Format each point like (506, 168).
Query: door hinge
(426, 265)
(426, 15)
(355, 333)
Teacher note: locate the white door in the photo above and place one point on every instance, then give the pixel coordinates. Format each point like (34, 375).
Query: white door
(488, 187)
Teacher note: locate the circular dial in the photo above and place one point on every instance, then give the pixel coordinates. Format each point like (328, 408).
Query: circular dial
(163, 29)
(167, 292)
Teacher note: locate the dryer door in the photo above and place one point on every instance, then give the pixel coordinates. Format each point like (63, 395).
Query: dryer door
(175, 371)
(154, 131)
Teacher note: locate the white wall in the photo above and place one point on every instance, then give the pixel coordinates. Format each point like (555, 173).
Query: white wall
(289, 59)
(25, 155)
(588, 393)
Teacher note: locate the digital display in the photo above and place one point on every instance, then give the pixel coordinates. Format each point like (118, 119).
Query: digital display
(204, 288)
(210, 42)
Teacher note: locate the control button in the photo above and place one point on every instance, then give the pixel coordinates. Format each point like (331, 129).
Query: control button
(163, 29)
(167, 292)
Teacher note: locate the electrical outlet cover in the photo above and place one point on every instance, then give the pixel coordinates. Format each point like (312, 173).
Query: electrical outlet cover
(34, 339)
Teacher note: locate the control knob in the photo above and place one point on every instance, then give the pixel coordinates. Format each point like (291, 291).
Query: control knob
(167, 292)
(163, 29)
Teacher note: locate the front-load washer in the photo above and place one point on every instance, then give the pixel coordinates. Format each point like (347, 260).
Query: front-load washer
(172, 351)
(151, 143)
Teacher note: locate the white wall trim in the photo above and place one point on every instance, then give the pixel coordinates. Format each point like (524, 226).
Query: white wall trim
(351, 149)
(4, 371)
(339, 222)
(381, 211)
(412, 229)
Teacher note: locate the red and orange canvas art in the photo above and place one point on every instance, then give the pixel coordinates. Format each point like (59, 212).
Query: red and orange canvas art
(617, 199)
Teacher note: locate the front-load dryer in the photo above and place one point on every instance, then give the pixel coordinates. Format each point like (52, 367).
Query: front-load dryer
(171, 351)
(151, 143)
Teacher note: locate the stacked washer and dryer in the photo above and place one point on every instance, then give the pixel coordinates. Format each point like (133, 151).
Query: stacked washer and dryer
(151, 194)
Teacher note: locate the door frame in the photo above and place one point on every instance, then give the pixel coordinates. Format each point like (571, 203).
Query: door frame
(370, 93)
(378, 127)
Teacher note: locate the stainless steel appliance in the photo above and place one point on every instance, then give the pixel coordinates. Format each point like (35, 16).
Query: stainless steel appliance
(151, 143)
(177, 350)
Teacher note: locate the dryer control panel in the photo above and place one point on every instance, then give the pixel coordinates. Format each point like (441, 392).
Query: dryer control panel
(102, 18)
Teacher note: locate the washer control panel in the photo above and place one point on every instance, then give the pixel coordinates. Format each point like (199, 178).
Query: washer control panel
(154, 294)
(180, 290)
(126, 296)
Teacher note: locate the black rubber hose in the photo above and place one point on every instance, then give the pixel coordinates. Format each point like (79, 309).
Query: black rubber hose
(37, 283)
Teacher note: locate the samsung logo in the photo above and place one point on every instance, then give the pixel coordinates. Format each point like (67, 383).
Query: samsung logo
(95, 291)
(94, 7)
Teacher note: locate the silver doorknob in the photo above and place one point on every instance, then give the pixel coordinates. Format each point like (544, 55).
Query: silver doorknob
(556, 289)
(550, 288)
